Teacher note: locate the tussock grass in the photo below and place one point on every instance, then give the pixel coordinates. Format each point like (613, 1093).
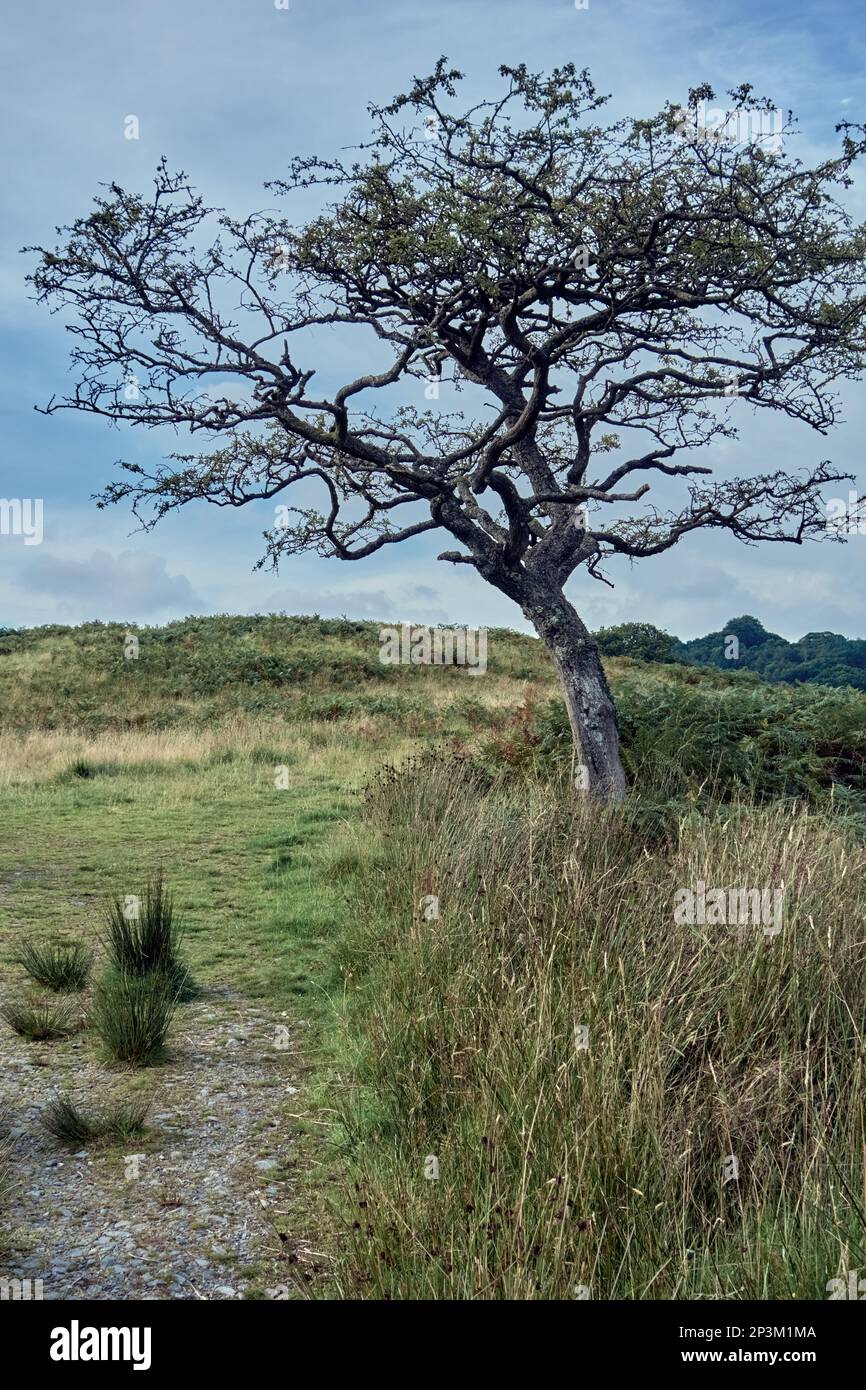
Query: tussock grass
(39, 1022)
(132, 1015)
(63, 968)
(71, 1124)
(596, 1159)
(149, 942)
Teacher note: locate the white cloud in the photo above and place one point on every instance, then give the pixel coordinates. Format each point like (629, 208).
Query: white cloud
(127, 586)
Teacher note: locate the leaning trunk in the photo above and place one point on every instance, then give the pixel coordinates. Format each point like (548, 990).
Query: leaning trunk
(587, 696)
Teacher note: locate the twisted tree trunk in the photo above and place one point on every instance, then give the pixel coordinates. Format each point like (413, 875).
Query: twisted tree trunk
(587, 696)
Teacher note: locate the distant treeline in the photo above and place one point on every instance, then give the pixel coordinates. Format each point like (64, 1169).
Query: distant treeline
(744, 644)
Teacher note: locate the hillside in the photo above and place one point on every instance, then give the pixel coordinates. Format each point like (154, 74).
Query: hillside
(685, 731)
(200, 670)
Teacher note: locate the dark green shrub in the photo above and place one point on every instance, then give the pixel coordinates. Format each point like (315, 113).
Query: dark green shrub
(682, 740)
(39, 1022)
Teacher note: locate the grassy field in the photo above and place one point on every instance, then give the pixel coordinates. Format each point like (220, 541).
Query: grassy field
(231, 755)
(592, 1163)
(110, 768)
(530, 1089)
(85, 816)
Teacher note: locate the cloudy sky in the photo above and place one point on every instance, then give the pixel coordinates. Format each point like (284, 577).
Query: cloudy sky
(229, 90)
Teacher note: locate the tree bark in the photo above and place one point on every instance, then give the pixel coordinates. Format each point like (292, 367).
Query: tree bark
(588, 699)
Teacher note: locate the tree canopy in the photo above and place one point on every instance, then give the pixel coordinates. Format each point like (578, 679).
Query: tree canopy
(601, 283)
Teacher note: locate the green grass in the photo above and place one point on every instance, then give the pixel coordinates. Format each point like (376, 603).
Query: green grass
(132, 1015)
(63, 968)
(143, 934)
(595, 1159)
(222, 833)
(76, 1125)
(454, 1036)
(38, 1022)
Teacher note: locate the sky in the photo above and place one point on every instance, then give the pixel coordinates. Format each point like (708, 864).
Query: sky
(230, 90)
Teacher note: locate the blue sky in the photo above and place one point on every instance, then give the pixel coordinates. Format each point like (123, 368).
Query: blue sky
(229, 90)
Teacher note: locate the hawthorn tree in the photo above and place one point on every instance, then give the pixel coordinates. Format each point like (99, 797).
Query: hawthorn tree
(609, 297)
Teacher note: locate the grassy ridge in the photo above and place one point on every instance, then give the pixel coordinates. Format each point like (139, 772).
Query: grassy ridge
(192, 672)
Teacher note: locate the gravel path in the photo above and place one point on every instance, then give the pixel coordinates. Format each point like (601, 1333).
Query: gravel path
(196, 1207)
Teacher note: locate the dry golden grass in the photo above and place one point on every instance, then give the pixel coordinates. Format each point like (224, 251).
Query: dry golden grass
(598, 1163)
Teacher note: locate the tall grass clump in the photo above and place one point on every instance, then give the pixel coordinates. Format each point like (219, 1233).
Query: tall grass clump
(59, 967)
(583, 1068)
(147, 941)
(132, 1015)
(39, 1022)
(72, 1124)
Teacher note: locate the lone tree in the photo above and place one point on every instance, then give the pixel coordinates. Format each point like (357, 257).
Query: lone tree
(608, 297)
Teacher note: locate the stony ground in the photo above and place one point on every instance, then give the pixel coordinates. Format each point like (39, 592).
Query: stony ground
(197, 1207)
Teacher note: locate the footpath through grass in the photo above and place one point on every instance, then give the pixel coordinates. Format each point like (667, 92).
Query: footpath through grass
(237, 852)
(225, 752)
(229, 754)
